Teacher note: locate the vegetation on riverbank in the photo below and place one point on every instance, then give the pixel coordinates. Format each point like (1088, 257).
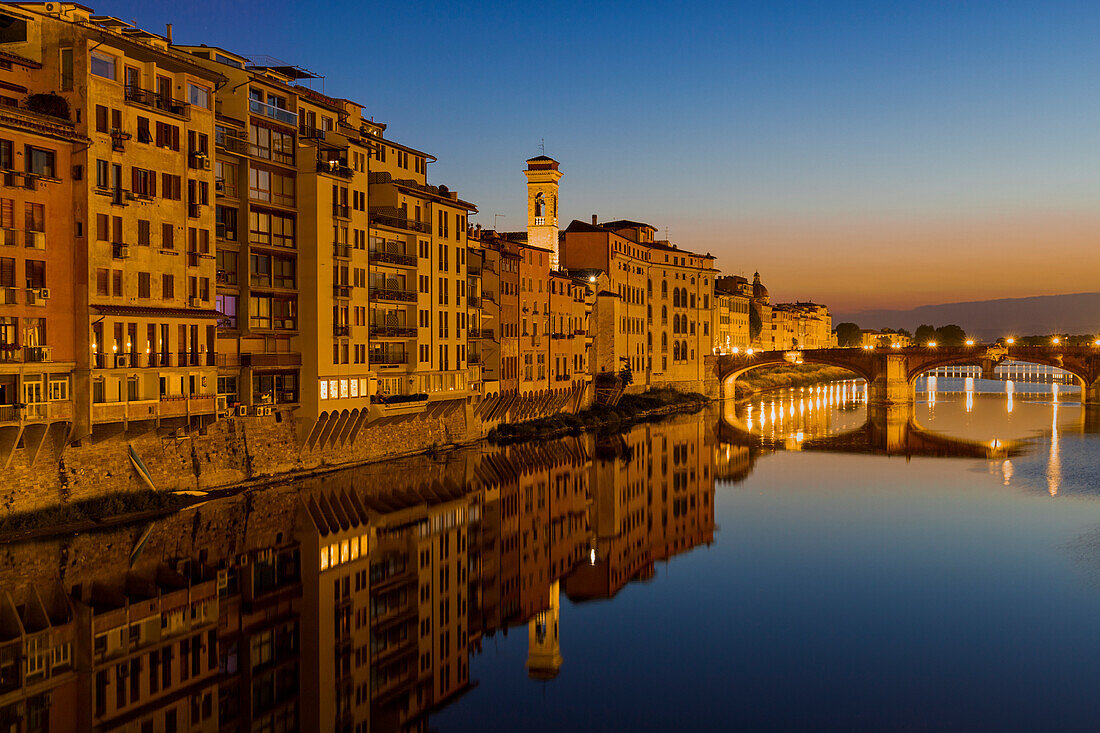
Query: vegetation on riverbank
(794, 375)
(632, 409)
(93, 511)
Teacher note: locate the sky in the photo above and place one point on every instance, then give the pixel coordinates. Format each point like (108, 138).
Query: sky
(860, 154)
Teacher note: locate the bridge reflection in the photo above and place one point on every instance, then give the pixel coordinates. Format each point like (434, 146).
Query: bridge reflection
(838, 418)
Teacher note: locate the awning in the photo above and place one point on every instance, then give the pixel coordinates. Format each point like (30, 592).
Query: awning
(138, 310)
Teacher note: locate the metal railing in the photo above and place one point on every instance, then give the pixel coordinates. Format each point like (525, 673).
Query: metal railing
(405, 296)
(341, 210)
(335, 167)
(401, 222)
(395, 258)
(383, 331)
(164, 103)
(271, 111)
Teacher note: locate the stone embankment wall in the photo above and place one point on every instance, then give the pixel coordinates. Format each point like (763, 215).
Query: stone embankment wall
(228, 452)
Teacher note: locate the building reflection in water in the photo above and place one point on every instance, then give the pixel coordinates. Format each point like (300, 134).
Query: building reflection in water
(351, 602)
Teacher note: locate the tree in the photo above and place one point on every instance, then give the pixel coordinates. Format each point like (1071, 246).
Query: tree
(756, 325)
(925, 333)
(950, 335)
(904, 332)
(848, 334)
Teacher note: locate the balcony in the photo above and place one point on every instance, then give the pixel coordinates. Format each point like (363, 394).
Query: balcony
(382, 331)
(270, 111)
(305, 132)
(393, 258)
(338, 330)
(11, 353)
(341, 250)
(388, 357)
(400, 222)
(335, 167)
(162, 103)
(484, 333)
(104, 412)
(225, 277)
(271, 359)
(34, 240)
(10, 237)
(194, 210)
(341, 210)
(232, 144)
(402, 296)
(341, 291)
(8, 295)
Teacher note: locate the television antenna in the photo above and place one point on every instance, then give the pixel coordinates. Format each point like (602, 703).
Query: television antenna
(495, 217)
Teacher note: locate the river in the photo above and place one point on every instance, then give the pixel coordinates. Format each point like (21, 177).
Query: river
(797, 562)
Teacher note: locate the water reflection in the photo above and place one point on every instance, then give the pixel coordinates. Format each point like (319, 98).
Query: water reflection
(359, 600)
(351, 602)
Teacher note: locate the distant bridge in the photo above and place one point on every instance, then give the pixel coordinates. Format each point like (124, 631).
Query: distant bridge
(890, 372)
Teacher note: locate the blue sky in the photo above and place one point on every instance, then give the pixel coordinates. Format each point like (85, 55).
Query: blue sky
(785, 137)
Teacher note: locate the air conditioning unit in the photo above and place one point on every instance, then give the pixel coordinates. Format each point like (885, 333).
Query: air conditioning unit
(195, 302)
(122, 251)
(242, 410)
(122, 360)
(44, 293)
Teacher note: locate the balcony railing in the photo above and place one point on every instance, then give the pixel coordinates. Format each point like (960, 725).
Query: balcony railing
(394, 258)
(400, 222)
(34, 239)
(164, 103)
(224, 277)
(335, 167)
(341, 250)
(305, 132)
(194, 210)
(271, 111)
(383, 331)
(341, 291)
(11, 353)
(341, 210)
(338, 330)
(232, 144)
(405, 296)
(388, 357)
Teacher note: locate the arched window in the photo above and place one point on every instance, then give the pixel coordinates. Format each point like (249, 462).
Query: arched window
(540, 204)
(664, 342)
(676, 297)
(676, 351)
(664, 314)
(664, 288)
(693, 300)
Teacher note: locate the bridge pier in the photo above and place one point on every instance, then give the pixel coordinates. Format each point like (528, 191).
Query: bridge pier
(988, 369)
(1090, 394)
(890, 426)
(891, 385)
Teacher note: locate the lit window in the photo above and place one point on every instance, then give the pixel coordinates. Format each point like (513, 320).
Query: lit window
(324, 389)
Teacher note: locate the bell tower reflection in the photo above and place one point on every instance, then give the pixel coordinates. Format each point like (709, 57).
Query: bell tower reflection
(543, 644)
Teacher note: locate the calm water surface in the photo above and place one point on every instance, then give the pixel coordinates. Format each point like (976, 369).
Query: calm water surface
(794, 563)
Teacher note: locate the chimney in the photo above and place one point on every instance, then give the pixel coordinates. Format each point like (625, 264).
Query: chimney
(168, 34)
(594, 220)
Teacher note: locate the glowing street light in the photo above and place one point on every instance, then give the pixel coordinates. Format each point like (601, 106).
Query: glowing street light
(736, 350)
(931, 344)
(1096, 342)
(1056, 341)
(970, 342)
(1010, 341)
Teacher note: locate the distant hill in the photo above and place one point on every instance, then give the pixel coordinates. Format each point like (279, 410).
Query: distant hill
(990, 319)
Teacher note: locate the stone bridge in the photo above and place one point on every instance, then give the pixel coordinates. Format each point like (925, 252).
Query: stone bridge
(890, 373)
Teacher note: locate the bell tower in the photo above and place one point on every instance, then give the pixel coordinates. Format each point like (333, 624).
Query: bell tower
(542, 205)
(543, 645)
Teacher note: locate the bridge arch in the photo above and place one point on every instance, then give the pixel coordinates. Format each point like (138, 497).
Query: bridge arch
(730, 368)
(919, 367)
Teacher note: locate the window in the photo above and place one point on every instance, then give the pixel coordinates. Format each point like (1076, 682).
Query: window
(259, 308)
(40, 162)
(103, 65)
(227, 306)
(168, 287)
(272, 229)
(171, 187)
(225, 177)
(102, 281)
(36, 274)
(225, 219)
(143, 285)
(167, 236)
(143, 134)
(144, 182)
(198, 96)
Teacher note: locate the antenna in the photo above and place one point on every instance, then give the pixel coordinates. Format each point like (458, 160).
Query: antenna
(542, 145)
(495, 217)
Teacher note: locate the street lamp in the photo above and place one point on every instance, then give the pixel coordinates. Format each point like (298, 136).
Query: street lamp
(970, 342)
(931, 344)
(1056, 341)
(1010, 341)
